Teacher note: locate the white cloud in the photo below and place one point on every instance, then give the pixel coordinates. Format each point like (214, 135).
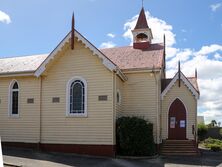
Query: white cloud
(108, 44)
(217, 56)
(215, 7)
(210, 49)
(207, 60)
(111, 35)
(210, 115)
(4, 18)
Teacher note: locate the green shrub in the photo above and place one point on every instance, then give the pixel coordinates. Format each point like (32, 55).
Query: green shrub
(202, 131)
(213, 144)
(215, 147)
(134, 137)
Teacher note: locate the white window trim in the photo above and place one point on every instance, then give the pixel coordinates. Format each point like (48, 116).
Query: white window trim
(68, 114)
(120, 97)
(10, 99)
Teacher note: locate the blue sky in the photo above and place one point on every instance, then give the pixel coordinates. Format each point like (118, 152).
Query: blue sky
(193, 30)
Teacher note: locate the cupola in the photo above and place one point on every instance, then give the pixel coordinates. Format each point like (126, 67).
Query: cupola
(142, 34)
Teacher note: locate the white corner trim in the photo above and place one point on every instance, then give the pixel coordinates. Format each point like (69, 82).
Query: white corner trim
(68, 114)
(106, 62)
(10, 99)
(185, 81)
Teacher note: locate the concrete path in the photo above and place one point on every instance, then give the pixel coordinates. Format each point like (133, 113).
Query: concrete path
(30, 158)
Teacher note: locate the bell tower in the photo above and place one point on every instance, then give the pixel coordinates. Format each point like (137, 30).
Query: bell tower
(142, 34)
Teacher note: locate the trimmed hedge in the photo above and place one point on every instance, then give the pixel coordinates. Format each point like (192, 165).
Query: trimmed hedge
(134, 137)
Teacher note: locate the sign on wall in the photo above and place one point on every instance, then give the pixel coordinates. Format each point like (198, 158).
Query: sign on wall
(182, 123)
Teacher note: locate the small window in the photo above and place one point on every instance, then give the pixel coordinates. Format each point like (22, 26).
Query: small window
(14, 99)
(118, 97)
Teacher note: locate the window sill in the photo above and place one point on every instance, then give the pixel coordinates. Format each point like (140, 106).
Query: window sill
(76, 115)
(14, 116)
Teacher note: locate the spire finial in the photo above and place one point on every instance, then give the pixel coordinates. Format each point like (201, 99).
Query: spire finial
(73, 32)
(142, 3)
(164, 54)
(195, 72)
(179, 72)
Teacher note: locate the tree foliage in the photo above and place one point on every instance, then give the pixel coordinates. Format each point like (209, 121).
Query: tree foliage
(202, 131)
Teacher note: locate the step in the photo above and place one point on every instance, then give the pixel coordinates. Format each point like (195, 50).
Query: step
(178, 143)
(179, 149)
(180, 154)
(179, 146)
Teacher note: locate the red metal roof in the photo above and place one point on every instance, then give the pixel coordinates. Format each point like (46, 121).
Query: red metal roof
(141, 22)
(127, 58)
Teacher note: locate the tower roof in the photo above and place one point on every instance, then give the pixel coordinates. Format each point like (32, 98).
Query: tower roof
(141, 22)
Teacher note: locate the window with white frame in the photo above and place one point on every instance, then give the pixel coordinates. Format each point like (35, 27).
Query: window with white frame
(77, 97)
(14, 99)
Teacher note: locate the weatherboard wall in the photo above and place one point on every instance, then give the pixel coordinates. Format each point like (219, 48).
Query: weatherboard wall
(140, 97)
(97, 127)
(26, 126)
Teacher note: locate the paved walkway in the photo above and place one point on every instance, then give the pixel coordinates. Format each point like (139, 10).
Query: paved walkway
(30, 158)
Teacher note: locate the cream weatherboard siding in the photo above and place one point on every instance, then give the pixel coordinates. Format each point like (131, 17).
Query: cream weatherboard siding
(140, 97)
(184, 94)
(97, 127)
(119, 88)
(24, 128)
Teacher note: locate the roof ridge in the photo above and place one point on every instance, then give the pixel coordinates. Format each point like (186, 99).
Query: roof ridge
(2, 58)
(160, 43)
(116, 47)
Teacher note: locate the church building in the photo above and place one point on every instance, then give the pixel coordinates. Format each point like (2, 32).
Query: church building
(69, 100)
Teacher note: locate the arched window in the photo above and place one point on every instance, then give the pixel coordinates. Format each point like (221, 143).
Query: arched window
(141, 37)
(76, 97)
(14, 99)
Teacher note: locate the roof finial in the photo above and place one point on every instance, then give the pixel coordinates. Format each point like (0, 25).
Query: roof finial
(179, 72)
(196, 73)
(73, 32)
(164, 51)
(142, 3)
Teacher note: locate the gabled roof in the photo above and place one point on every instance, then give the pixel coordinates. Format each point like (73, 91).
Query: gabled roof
(106, 61)
(22, 64)
(37, 63)
(191, 84)
(128, 58)
(141, 22)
